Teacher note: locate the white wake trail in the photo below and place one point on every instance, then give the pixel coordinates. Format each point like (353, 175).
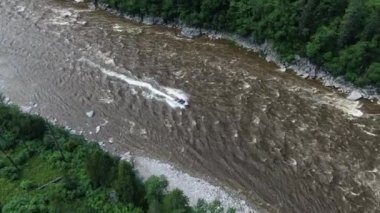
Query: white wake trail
(170, 95)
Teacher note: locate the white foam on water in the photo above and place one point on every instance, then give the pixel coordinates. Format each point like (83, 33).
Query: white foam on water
(63, 17)
(26, 109)
(106, 100)
(20, 9)
(106, 57)
(350, 107)
(178, 94)
(365, 130)
(167, 94)
(117, 28)
(369, 133)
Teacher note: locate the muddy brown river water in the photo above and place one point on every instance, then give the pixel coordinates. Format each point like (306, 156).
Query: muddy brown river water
(285, 143)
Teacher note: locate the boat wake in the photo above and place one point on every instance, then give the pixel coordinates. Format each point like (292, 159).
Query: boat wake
(175, 98)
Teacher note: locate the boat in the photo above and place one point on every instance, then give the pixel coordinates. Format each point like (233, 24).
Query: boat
(183, 102)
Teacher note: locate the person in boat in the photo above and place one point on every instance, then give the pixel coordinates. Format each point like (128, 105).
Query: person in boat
(182, 102)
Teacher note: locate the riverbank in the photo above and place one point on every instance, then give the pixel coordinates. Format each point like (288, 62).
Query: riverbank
(39, 166)
(301, 66)
(194, 188)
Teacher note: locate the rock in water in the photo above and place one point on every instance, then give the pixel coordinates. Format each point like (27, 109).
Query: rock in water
(305, 75)
(7, 100)
(90, 114)
(190, 32)
(26, 109)
(355, 95)
(97, 129)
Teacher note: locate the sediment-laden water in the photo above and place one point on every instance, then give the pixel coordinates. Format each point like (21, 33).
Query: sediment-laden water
(286, 144)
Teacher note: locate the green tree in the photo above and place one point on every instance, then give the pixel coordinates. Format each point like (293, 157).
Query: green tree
(2, 140)
(213, 207)
(176, 202)
(372, 27)
(306, 19)
(373, 73)
(213, 13)
(155, 207)
(155, 188)
(100, 168)
(36, 204)
(169, 10)
(125, 182)
(352, 23)
(322, 41)
(30, 127)
(351, 61)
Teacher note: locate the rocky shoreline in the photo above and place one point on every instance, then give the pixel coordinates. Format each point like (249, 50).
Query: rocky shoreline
(194, 188)
(301, 66)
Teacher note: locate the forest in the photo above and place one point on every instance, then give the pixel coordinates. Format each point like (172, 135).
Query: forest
(342, 36)
(44, 168)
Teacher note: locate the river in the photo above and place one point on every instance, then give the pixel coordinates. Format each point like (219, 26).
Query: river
(284, 143)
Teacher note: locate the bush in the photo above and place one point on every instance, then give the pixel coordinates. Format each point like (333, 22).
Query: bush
(7, 115)
(155, 188)
(10, 173)
(27, 185)
(373, 73)
(47, 143)
(176, 201)
(21, 125)
(71, 145)
(7, 140)
(22, 157)
(54, 157)
(154, 206)
(214, 207)
(32, 127)
(2, 164)
(125, 182)
(100, 168)
(74, 187)
(35, 204)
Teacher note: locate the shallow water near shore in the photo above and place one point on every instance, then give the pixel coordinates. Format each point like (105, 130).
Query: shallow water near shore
(285, 143)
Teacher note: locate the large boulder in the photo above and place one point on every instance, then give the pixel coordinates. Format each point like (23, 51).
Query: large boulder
(190, 32)
(355, 95)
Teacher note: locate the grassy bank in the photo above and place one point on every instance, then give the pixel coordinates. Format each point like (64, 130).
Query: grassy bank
(342, 36)
(43, 168)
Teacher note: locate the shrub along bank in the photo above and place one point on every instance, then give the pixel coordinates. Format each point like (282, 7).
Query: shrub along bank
(43, 168)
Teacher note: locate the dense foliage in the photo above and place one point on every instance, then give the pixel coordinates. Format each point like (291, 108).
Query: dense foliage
(45, 169)
(340, 35)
